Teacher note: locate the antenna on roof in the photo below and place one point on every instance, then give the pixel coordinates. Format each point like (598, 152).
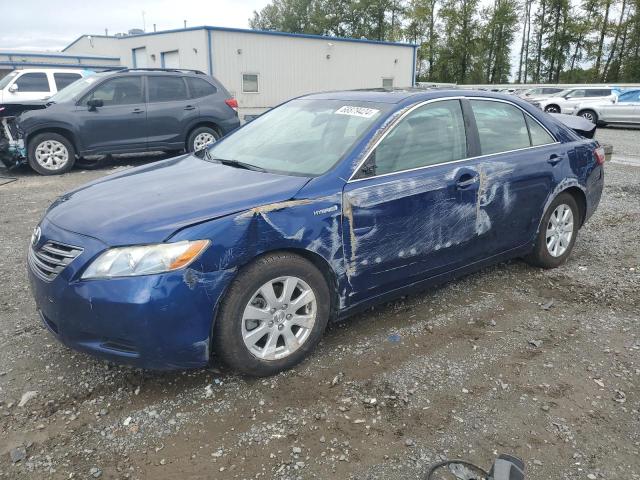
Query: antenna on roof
(144, 23)
(185, 23)
(106, 32)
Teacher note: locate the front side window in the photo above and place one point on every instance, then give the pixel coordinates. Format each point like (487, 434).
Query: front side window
(118, 91)
(431, 134)
(33, 82)
(301, 137)
(199, 87)
(577, 93)
(501, 126)
(249, 83)
(65, 79)
(166, 89)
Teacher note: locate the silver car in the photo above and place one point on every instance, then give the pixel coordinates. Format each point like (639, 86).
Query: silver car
(625, 109)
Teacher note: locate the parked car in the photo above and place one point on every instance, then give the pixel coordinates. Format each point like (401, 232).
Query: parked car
(566, 100)
(126, 111)
(539, 93)
(321, 207)
(37, 83)
(624, 109)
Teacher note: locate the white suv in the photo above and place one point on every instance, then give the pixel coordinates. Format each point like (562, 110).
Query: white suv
(566, 100)
(36, 83)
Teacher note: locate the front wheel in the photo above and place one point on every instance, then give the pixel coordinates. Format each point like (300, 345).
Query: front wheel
(273, 315)
(201, 138)
(51, 154)
(552, 109)
(557, 234)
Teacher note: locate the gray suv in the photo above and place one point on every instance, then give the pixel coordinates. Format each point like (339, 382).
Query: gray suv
(127, 111)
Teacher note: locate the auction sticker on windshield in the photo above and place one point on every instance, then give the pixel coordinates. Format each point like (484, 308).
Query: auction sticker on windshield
(357, 111)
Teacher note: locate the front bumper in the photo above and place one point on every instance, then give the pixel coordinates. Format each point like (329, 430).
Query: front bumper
(158, 322)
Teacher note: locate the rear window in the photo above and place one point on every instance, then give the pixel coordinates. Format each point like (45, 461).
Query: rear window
(166, 89)
(64, 79)
(199, 88)
(33, 82)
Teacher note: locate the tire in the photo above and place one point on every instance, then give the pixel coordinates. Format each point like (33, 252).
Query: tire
(51, 154)
(589, 115)
(552, 109)
(268, 354)
(198, 135)
(543, 253)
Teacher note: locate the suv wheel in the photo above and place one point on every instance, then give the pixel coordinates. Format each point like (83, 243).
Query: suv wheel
(51, 154)
(201, 137)
(273, 315)
(589, 115)
(552, 109)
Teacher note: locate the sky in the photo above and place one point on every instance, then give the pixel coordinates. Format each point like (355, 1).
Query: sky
(47, 25)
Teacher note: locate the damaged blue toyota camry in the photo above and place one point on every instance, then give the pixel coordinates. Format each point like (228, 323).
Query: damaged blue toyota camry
(323, 206)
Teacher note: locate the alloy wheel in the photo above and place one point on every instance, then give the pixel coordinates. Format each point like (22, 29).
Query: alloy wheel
(202, 140)
(51, 155)
(588, 116)
(559, 230)
(279, 318)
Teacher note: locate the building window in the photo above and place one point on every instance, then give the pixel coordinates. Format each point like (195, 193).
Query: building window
(387, 83)
(249, 83)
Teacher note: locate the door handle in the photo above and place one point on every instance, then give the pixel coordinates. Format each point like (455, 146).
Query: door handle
(189, 107)
(137, 110)
(465, 181)
(555, 158)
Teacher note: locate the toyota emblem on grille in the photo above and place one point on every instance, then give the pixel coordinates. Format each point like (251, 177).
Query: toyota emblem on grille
(35, 236)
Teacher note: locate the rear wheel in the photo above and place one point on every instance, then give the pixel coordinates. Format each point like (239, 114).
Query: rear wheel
(51, 154)
(557, 234)
(273, 315)
(552, 109)
(201, 138)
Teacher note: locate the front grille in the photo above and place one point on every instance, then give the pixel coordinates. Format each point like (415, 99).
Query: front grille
(51, 258)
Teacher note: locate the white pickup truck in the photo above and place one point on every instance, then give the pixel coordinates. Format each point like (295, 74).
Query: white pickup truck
(36, 83)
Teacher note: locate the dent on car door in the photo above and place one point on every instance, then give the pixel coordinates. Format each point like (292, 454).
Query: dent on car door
(410, 212)
(520, 164)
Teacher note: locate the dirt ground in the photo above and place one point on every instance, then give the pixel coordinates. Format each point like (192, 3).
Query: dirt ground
(541, 364)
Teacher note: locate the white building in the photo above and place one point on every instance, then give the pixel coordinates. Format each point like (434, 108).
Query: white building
(262, 68)
(11, 59)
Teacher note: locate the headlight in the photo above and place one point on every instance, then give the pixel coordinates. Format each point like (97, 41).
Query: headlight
(145, 259)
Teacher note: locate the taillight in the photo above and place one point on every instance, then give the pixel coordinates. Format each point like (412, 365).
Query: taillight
(599, 154)
(232, 102)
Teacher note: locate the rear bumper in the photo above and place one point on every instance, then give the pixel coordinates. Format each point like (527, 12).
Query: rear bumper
(158, 322)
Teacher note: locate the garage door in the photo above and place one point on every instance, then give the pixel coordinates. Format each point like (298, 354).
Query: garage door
(170, 59)
(140, 57)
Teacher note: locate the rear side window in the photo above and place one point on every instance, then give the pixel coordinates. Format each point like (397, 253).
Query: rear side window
(429, 135)
(118, 91)
(539, 136)
(599, 92)
(199, 88)
(64, 79)
(166, 89)
(501, 126)
(33, 82)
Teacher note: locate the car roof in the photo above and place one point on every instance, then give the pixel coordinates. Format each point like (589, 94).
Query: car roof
(398, 95)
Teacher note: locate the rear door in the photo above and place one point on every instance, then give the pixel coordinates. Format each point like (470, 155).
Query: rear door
(519, 162)
(170, 110)
(121, 123)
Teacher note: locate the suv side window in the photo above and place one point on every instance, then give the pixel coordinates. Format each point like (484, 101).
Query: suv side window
(64, 79)
(166, 88)
(118, 91)
(431, 134)
(199, 88)
(501, 126)
(33, 82)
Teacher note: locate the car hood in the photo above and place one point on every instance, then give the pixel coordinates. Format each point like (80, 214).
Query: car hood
(149, 203)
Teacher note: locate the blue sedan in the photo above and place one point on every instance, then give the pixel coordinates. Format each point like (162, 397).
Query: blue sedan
(321, 207)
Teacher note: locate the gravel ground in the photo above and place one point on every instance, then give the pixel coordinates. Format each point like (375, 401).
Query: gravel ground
(540, 364)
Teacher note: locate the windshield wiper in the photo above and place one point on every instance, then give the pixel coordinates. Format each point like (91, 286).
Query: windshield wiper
(233, 163)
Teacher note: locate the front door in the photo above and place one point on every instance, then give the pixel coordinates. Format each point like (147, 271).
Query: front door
(411, 210)
(121, 123)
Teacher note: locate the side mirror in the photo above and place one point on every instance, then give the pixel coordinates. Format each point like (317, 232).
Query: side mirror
(95, 103)
(13, 88)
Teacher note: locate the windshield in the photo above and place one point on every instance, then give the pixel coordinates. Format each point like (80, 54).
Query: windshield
(301, 137)
(74, 89)
(6, 80)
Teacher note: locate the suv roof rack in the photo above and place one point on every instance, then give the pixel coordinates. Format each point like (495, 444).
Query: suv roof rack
(145, 69)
